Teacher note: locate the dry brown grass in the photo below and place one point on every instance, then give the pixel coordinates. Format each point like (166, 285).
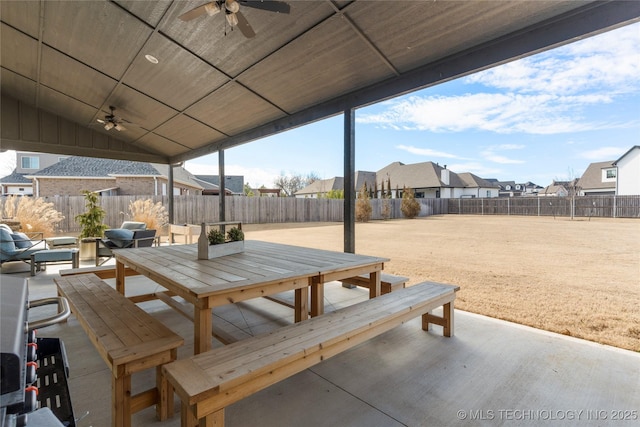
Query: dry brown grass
(34, 214)
(578, 278)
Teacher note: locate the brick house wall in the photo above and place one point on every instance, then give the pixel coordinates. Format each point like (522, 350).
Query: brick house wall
(48, 187)
(127, 186)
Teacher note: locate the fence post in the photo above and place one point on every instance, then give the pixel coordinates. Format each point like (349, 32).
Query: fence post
(482, 206)
(614, 213)
(538, 205)
(509, 206)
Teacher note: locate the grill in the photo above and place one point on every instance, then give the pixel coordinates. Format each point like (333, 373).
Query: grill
(33, 371)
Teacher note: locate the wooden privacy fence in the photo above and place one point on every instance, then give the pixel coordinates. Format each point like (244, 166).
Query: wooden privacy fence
(582, 206)
(249, 210)
(262, 210)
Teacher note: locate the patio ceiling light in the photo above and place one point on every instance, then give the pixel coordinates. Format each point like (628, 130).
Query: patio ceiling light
(212, 8)
(108, 126)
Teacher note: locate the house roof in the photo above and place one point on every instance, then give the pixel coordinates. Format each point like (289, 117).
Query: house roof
(426, 175)
(322, 186)
(635, 147)
(592, 177)
(234, 183)
(85, 167)
(64, 64)
(15, 178)
(474, 181)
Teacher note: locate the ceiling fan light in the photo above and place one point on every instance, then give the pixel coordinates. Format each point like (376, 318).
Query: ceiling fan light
(118, 127)
(211, 8)
(232, 19)
(109, 126)
(232, 6)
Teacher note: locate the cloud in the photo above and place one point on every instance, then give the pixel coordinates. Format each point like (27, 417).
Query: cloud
(549, 93)
(608, 153)
(491, 155)
(426, 152)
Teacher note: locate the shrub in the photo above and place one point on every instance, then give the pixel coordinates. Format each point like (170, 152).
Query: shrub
(410, 207)
(34, 214)
(215, 237)
(154, 215)
(91, 219)
(363, 205)
(235, 234)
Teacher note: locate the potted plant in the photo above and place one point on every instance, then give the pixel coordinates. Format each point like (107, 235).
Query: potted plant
(214, 243)
(92, 225)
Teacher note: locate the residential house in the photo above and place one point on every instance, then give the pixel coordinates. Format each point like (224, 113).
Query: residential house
(321, 187)
(558, 189)
(107, 177)
(598, 179)
(430, 180)
(26, 163)
(512, 189)
(427, 180)
(234, 184)
(628, 170)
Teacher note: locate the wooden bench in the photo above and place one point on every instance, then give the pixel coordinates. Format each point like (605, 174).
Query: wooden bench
(388, 282)
(211, 381)
(128, 339)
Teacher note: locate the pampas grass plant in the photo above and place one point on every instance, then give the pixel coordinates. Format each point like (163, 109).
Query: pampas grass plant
(35, 215)
(154, 215)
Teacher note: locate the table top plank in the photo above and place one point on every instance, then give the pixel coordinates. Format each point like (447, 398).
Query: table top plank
(261, 264)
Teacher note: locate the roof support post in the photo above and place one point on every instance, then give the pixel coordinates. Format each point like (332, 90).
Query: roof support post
(170, 196)
(349, 181)
(221, 190)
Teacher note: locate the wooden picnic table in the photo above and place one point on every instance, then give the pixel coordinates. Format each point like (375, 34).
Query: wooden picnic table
(263, 269)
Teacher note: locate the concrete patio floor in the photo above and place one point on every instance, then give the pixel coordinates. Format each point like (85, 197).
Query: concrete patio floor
(490, 373)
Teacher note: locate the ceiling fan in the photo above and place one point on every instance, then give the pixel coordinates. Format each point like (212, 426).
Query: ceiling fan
(232, 12)
(110, 121)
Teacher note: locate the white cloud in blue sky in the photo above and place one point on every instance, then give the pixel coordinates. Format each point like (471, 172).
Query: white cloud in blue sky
(543, 94)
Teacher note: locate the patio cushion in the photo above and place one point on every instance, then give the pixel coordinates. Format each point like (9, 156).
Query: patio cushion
(133, 225)
(7, 245)
(121, 237)
(21, 240)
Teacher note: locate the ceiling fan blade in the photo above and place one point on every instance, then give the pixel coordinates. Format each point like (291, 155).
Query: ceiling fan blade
(101, 121)
(244, 26)
(270, 6)
(194, 13)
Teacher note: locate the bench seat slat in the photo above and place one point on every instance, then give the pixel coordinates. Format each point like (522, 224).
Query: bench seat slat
(309, 335)
(116, 322)
(220, 370)
(127, 338)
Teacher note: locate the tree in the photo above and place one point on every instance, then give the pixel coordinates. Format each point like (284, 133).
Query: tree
(247, 190)
(410, 207)
(363, 205)
(289, 184)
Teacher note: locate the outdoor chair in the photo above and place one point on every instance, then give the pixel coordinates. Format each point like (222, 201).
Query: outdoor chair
(120, 238)
(16, 246)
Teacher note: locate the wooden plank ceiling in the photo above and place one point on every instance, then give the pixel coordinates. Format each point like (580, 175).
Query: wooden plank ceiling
(63, 63)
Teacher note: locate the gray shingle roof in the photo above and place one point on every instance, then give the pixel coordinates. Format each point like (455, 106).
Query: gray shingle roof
(96, 167)
(15, 178)
(234, 183)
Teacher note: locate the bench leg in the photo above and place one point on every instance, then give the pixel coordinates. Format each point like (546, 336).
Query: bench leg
(446, 321)
(164, 407)
(188, 419)
(121, 400)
